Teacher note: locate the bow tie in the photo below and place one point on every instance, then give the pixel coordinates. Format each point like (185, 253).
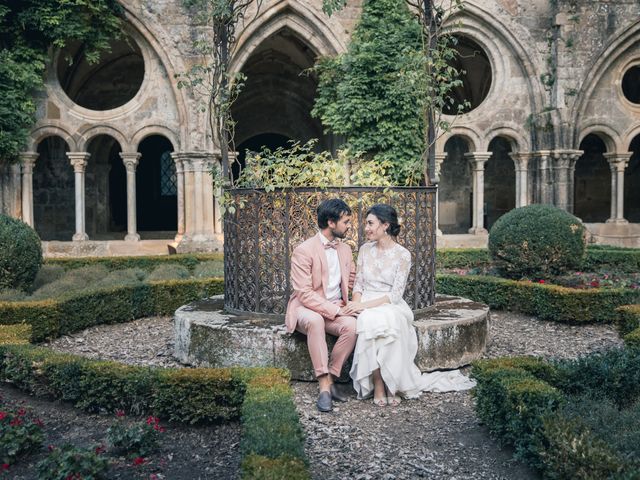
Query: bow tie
(329, 245)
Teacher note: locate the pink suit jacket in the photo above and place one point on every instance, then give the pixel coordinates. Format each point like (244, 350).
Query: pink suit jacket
(310, 274)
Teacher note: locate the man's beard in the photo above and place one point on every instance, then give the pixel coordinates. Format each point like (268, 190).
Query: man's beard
(338, 234)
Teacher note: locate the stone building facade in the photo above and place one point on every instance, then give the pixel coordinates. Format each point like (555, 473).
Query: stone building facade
(121, 156)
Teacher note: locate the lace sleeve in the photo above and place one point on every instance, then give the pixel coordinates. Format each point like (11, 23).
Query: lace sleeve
(358, 284)
(402, 273)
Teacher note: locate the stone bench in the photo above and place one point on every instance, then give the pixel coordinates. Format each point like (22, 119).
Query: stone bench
(451, 334)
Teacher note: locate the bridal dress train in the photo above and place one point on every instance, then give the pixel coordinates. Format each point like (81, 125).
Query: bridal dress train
(386, 336)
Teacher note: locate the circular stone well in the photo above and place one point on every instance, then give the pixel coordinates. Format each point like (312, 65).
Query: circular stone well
(451, 333)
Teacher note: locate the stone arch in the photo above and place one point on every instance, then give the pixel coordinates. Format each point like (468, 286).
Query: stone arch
(493, 36)
(273, 55)
(86, 135)
(297, 17)
(150, 130)
(474, 142)
(629, 137)
(53, 188)
(500, 179)
(592, 180)
(620, 45)
(607, 134)
(511, 134)
(455, 187)
(41, 132)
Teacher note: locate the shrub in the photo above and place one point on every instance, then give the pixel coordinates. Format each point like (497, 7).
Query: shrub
(169, 271)
(12, 295)
(209, 269)
(47, 274)
(632, 339)
(19, 433)
(18, 334)
(71, 283)
(138, 440)
(628, 318)
(72, 462)
(537, 241)
(21, 256)
(121, 278)
(146, 263)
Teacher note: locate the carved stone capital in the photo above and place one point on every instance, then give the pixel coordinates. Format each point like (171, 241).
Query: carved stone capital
(130, 160)
(521, 159)
(618, 161)
(28, 160)
(478, 159)
(78, 160)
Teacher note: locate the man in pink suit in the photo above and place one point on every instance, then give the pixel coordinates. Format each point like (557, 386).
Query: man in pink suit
(322, 272)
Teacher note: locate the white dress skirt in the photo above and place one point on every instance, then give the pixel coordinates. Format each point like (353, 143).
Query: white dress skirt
(386, 336)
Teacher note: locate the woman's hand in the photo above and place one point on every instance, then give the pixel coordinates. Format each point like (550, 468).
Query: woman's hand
(352, 308)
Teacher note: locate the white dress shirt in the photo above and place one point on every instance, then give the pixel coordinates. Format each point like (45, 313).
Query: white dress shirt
(332, 290)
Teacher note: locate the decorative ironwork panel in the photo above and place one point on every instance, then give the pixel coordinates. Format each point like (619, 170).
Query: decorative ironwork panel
(260, 238)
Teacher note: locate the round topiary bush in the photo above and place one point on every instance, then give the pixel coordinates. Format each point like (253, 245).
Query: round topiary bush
(20, 254)
(537, 241)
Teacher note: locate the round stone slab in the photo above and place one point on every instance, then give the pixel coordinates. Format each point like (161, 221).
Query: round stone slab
(451, 334)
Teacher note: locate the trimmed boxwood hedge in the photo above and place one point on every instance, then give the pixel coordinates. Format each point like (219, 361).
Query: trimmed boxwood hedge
(521, 400)
(548, 302)
(272, 438)
(629, 324)
(146, 263)
(52, 318)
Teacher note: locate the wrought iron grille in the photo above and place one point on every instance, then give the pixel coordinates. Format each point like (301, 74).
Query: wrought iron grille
(259, 239)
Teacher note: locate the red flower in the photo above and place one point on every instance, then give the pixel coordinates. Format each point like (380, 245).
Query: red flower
(541, 281)
(595, 283)
(3, 415)
(138, 461)
(154, 420)
(16, 421)
(21, 412)
(119, 413)
(153, 476)
(38, 422)
(100, 449)
(51, 448)
(5, 467)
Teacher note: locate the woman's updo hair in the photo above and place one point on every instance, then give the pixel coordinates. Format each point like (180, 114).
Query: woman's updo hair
(386, 214)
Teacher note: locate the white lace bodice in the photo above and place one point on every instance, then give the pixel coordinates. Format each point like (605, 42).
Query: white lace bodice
(383, 271)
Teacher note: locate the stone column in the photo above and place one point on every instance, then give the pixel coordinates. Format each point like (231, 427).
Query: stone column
(477, 161)
(28, 162)
(545, 190)
(199, 232)
(79, 162)
(617, 163)
(440, 157)
(563, 161)
(521, 161)
(179, 194)
(16, 189)
(130, 161)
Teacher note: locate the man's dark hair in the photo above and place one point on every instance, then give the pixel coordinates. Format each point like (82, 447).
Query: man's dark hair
(331, 210)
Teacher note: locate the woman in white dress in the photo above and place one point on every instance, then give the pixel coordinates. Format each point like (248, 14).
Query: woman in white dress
(383, 359)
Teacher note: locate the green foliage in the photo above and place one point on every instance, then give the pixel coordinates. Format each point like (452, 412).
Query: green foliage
(300, 166)
(208, 270)
(273, 440)
(547, 302)
(632, 339)
(614, 375)
(168, 272)
(27, 31)
(146, 263)
(21, 256)
(537, 241)
(15, 334)
(51, 318)
(71, 283)
(12, 295)
(462, 258)
(70, 461)
(628, 318)
(20, 433)
(47, 274)
(372, 93)
(139, 439)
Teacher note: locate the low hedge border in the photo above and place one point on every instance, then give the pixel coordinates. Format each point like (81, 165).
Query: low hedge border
(272, 438)
(547, 302)
(516, 398)
(52, 318)
(147, 263)
(629, 324)
(623, 260)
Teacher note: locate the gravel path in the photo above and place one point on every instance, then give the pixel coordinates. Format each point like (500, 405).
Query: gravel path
(436, 436)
